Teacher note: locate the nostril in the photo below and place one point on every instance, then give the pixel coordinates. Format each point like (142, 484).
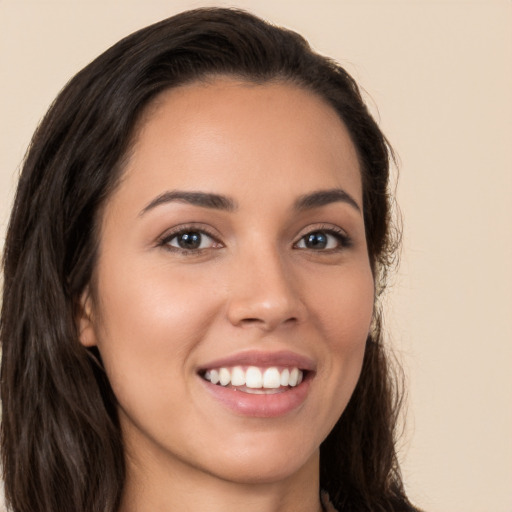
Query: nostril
(265, 307)
(268, 323)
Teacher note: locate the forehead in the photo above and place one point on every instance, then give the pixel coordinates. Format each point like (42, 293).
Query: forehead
(230, 133)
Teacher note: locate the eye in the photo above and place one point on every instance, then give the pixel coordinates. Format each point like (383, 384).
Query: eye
(323, 240)
(189, 240)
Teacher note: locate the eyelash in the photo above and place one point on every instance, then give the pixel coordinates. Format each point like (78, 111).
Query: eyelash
(182, 230)
(342, 239)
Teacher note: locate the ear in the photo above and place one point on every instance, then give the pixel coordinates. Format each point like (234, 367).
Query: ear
(85, 323)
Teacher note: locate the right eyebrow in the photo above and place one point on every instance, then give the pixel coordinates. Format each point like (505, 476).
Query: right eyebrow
(202, 199)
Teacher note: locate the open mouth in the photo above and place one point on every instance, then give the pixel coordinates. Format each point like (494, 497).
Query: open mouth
(254, 379)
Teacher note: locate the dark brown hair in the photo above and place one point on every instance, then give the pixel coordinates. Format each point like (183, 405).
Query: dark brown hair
(61, 441)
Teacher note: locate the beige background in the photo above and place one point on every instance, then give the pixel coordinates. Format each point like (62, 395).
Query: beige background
(440, 73)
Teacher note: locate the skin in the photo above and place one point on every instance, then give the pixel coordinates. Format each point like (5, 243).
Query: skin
(158, 313)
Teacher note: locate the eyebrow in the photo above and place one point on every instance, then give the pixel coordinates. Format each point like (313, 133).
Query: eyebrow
(220, 202)
(325, 197)
(203, 199)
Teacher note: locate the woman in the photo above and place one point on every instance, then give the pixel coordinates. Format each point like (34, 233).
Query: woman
(190, 320)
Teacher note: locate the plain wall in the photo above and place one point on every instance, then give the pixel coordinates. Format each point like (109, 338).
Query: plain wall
(439, 75)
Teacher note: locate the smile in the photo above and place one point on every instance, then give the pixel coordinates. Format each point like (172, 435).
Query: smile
(253, 379)
(259, 384)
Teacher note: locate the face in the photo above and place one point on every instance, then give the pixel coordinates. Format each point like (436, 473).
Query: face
(233, 291)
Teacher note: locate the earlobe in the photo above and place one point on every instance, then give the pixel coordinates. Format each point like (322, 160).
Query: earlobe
(85, 323)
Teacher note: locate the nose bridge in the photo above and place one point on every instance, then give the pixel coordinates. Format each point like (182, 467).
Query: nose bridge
(264, 292)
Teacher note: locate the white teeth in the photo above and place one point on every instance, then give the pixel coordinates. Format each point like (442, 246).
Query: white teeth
(294, 375)
(254, 377)
(212, 376)
(224, 376)
(271, 378)
(237, 376)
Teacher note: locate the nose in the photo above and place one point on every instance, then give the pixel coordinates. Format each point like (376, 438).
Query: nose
(264, 293)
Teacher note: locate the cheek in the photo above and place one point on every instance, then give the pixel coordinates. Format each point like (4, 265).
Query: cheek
(343, 314)
(155, 300)
(149, 325)
(344, 307)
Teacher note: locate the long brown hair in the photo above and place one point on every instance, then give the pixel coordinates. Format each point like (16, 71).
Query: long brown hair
(61, 440)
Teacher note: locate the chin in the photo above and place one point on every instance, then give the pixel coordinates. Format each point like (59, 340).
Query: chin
(264, 461)
(263, 470)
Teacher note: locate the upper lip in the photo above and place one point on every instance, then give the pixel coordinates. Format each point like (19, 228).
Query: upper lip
(264, 359)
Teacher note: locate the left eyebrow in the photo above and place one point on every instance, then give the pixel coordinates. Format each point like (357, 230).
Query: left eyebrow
(324, 197)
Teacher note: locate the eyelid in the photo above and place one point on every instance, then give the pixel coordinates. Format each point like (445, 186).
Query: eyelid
(345, 241)
(167, 236)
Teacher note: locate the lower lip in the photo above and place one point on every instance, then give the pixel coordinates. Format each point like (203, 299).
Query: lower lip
(260, 405)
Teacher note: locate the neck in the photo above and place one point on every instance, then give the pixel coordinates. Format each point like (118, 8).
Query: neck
(150, 487)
